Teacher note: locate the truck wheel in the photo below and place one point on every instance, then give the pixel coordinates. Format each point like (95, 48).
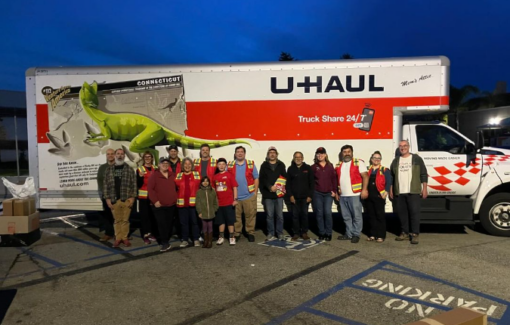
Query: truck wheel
(495, 214)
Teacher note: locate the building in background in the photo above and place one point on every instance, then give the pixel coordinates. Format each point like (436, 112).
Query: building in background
(13, 133)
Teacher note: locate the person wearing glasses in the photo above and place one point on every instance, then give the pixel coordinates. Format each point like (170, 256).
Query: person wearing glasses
(147, 219)
(409, 185)
(379, 184)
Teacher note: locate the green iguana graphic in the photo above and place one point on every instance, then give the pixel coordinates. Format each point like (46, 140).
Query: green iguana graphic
(142, 132)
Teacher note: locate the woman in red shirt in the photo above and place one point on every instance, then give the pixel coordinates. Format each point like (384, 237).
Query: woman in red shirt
(226, 189)
(188, 182)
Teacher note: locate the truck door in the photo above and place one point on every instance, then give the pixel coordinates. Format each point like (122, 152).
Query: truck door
(452, 166)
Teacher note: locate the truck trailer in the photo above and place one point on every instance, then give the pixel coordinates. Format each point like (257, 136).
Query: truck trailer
(293, 106)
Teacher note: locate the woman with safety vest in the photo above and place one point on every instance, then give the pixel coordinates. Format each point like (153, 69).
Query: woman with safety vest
(148, 227)
(188, 182)
(379, 185)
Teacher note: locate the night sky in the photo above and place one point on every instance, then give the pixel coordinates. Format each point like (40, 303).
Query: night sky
(475, 35)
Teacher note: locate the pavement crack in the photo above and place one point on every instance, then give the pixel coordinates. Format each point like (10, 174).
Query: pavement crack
(10, 268)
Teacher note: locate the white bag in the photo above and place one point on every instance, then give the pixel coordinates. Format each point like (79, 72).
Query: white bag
(20, 191)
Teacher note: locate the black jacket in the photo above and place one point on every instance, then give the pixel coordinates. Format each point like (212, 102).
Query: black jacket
(300, 181)
(268, 177)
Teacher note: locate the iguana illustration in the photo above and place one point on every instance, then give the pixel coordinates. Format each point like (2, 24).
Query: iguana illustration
(142, 132)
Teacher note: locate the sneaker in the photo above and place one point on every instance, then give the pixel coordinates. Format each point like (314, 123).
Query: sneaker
(322, 236)
(355, 239)
(295, 238)
(126, 242)
(270, 238)
(415, 239)
(305, 236)
(403, 236)
(200, 239)
(105, 238)
(251, 238)
(232, 241)
(220, 241)
(116, 243)
(281, 237)
(146, 241)
(165, 248)
(197, 243)
(152, 238)
(184, 244)
(344, 237)
(327, 237)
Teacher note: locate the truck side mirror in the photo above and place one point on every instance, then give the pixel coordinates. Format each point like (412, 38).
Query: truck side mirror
(479, 140)
(470, 148)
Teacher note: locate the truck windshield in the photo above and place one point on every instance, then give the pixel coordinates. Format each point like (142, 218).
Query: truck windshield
(439, 138)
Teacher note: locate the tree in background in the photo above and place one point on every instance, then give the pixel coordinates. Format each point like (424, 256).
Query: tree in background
(346, 56)
(285, 56)
(458, 99)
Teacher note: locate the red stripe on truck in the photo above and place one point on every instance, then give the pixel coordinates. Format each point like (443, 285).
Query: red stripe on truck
(313, 119)
(43, 123)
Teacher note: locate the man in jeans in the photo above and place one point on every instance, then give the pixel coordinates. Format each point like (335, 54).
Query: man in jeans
(272, 182)
(409, 184)
(120, 192)
(353, 181)
(247, 178)
(105, 217)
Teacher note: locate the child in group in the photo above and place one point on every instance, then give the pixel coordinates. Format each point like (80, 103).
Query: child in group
(207, 205)
(226, 189)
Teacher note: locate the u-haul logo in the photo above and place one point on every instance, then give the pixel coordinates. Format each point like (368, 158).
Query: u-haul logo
(333, 84)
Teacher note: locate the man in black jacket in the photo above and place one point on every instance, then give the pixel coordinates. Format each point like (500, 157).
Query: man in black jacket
(272, 179)
(300, 187)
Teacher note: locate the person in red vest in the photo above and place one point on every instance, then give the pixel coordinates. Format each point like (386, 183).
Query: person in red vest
(188, 183)
(205, 165)
(379, 185)
(353, 182)
(175, 161)
(247, 177)
(147, 219)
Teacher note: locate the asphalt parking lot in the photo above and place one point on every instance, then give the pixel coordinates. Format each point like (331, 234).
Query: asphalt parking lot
(70, 277)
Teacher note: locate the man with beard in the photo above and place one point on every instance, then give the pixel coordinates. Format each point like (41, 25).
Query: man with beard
(175, 161)
(120, 192)
(353, 181)
(106, 217)
(205, 165)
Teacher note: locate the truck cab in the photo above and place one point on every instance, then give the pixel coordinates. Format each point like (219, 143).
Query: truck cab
(466, 183)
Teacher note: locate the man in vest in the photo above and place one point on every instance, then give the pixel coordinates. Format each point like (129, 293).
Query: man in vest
(175, 161)
(205, 165)
(353, 181)
(247, 178)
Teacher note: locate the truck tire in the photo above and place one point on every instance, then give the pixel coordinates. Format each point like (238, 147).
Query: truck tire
(495, 214)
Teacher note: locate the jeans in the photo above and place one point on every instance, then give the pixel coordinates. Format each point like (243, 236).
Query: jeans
(322, 206)
(106, 219)
(188, 217)
(164, 217)
(374, 206)
(352, 215)
(408, 207)
(274, 206)
(300, 217)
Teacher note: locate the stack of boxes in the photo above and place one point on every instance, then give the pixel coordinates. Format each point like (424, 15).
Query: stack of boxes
(20, 217)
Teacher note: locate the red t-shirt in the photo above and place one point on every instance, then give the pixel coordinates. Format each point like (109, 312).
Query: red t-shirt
(224, 184)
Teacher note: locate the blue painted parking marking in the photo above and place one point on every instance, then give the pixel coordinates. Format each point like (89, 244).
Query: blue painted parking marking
(403, 298)
(42, 258)
(290, 245)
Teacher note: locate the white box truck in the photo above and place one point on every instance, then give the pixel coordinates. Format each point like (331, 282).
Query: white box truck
(290, 105)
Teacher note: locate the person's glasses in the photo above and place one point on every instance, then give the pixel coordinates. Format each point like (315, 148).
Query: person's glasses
(148, 157)
(404, 146)
(376, 158)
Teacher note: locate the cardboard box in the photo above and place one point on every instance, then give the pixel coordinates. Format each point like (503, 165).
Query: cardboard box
(458, 316)
(19, 207)
(10, 225)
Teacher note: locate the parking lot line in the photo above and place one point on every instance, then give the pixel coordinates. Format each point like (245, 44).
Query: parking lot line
(40, 257)
(329, 316)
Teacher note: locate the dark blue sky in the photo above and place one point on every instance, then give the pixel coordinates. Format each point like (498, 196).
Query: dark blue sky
(474, 34)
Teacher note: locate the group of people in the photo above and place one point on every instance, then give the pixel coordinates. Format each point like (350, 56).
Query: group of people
(183, 192)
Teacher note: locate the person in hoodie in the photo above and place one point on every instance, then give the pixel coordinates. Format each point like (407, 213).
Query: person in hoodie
(163, 196)
(272, 179)
(300, 187)
(206, 205)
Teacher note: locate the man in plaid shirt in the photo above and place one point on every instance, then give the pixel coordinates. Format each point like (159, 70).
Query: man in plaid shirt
(120, 192)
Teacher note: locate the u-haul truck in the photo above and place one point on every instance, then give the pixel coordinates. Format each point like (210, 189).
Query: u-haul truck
(290, 105)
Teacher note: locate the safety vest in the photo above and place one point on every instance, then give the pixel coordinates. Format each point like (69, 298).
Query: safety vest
(250, 165)
(177, 167)
(194, 185)
(142, 191)
(211, 167)
(356, 180)
(380, 180)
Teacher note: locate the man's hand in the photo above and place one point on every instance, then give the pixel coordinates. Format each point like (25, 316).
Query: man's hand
(157, 204)
(333, 194)
(391, 193)
(424, 192)
(109, 203)
(308, 199)
(364, 194)
(384, 195)
(235, 203)
(130, 202)
(200, 215)
(292, 200)
(339, 192)
(273, 188)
